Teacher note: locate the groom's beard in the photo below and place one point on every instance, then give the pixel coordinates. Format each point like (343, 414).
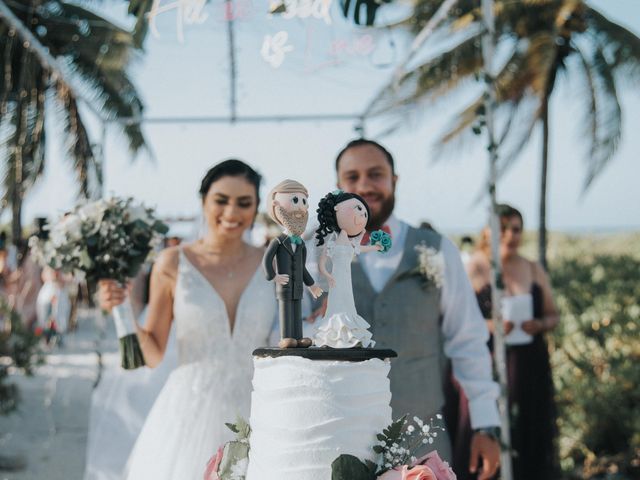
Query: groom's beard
(294, 222)
(377, 220)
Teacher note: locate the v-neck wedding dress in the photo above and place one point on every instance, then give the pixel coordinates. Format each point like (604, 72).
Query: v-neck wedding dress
(212, 383)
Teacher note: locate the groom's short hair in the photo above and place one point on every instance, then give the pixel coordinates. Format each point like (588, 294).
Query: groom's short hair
(358, 142)
(285, 186)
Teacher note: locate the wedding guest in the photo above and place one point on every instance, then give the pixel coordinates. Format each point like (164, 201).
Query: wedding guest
(214, 291)
(529, 373)
(466, 249)
(53, 305)
(26, 282)
(421, 316)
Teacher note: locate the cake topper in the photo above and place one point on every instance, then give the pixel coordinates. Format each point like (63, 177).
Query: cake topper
(343, 218)
(284, 262)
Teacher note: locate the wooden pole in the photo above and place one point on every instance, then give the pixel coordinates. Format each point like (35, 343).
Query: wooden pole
(488, 53)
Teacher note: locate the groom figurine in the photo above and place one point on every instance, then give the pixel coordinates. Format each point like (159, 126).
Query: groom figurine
(421, 317)
(288, 206)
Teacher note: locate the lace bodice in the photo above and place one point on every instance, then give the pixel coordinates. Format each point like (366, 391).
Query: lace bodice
(203, 332)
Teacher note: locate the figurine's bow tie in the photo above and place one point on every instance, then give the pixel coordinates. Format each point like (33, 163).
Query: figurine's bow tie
(295, 239)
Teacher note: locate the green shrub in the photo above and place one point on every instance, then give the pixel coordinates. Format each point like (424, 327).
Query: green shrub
(18, 349)
(596, 364)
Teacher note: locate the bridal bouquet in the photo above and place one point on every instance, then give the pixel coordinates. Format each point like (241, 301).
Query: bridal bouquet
(106, 239)
(380, 237)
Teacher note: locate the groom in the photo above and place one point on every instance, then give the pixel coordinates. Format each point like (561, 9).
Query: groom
(284, 262)
(421, 317)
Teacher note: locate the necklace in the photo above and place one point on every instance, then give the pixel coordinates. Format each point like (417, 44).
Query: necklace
(229, 272)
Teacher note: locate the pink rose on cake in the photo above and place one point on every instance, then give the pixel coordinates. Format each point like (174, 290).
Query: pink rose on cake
(428, 467)
(419, 472)
(439, 467)
(211, 473)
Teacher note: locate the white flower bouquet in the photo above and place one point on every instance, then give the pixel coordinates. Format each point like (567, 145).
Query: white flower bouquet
(106, 239)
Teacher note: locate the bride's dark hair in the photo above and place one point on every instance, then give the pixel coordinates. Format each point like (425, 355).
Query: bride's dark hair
(327, 213)
(231, 168)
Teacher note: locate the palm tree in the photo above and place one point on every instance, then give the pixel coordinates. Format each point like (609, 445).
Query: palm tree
(94, 54)
(543, 39)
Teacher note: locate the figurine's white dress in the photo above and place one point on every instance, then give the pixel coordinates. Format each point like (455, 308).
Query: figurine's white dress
(341, 326)
(211, 384)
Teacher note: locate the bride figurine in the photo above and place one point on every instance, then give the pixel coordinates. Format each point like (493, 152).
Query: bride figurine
(343, 218)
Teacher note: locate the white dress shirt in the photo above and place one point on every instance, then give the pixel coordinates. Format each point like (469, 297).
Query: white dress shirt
(463, 327)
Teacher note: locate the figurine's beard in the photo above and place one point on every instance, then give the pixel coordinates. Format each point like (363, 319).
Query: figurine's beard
(294, 222)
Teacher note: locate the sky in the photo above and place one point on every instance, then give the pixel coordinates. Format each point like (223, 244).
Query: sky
(189, 78)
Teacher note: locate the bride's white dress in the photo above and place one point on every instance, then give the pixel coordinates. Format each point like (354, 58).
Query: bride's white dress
(341, 326)
(212, 383)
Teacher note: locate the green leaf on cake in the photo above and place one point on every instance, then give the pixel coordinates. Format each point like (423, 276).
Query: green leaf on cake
(232, 427)
(348, 467)
(371, 466)
(393, 431)
(241, 428)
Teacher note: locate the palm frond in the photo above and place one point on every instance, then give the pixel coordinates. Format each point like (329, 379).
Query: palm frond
(603, 112)
(139, 9)
(76, 141)
(620, 46)
(434, 78)
(98, 52)
(116, 96)
(524, 76)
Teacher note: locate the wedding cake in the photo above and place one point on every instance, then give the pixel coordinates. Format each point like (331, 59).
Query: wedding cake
(310, 406)
(323, 413)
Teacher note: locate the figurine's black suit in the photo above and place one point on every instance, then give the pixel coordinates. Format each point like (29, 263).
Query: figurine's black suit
(289, 261)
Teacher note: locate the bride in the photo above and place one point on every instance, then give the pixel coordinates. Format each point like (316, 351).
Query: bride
(343, 218)
(223, 308)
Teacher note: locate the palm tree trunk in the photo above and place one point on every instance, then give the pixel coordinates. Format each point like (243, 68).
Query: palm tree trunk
(542, 228)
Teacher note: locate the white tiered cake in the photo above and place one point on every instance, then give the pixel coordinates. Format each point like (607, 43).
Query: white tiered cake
(306, 412)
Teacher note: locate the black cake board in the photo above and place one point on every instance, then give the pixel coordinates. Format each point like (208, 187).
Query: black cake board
(323, 353)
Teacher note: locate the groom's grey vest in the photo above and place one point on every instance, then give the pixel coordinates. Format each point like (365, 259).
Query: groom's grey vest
(405, 316)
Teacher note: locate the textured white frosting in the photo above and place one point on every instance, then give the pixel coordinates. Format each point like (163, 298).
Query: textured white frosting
(305, 413)
(342, 331)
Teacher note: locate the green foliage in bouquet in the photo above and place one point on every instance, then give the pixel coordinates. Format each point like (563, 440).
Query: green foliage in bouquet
(18, 349)
(596, 365)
